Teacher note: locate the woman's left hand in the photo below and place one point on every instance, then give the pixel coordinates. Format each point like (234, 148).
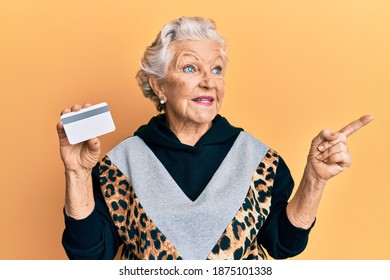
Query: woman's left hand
(329, 155)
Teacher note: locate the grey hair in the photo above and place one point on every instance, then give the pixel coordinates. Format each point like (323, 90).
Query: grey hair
(158, 55)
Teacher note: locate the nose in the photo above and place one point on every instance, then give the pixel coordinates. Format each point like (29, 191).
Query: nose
(207, 81)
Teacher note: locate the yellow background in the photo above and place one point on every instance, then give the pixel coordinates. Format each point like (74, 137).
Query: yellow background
(296, 67)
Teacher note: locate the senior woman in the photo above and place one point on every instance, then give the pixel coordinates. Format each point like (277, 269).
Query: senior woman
(188, 185)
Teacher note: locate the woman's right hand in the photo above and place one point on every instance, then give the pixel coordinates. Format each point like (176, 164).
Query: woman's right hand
(79, 160)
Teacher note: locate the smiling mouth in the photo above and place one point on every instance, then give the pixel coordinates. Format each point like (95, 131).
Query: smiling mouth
(204, 100)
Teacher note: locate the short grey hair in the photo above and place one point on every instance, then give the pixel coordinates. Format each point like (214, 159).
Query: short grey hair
(158, 55)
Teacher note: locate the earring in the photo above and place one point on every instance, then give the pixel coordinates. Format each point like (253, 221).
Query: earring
(162, 101)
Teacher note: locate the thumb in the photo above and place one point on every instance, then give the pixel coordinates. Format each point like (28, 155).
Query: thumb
(94, 145)
(93, 151)
(318, 142)
(324, 135)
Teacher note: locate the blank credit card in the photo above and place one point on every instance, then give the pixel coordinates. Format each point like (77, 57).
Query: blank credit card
(88, 123)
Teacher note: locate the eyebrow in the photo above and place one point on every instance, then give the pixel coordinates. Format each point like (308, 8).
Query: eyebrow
(180, 56)
(194, 56)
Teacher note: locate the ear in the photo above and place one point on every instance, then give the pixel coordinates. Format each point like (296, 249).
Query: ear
(155, 83)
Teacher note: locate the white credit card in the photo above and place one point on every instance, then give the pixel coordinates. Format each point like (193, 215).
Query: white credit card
(88, 123)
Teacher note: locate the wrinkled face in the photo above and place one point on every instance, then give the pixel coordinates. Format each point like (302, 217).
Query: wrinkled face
(194, 85)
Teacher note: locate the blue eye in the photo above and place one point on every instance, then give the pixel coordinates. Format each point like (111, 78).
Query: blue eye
(189, 69)
(217, 70)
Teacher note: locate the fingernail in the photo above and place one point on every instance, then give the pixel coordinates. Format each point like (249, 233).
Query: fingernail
(321, 148)
(319, 157)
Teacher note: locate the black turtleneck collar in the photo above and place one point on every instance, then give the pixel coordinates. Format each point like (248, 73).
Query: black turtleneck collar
(157, 133)
(192, 167)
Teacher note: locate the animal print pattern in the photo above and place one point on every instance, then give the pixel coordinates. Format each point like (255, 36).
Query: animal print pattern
(239, 241)
(143, 240)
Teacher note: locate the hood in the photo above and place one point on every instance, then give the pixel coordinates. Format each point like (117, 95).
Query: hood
(157, 133)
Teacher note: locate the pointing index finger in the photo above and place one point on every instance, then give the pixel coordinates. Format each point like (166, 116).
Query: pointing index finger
(356, 125)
